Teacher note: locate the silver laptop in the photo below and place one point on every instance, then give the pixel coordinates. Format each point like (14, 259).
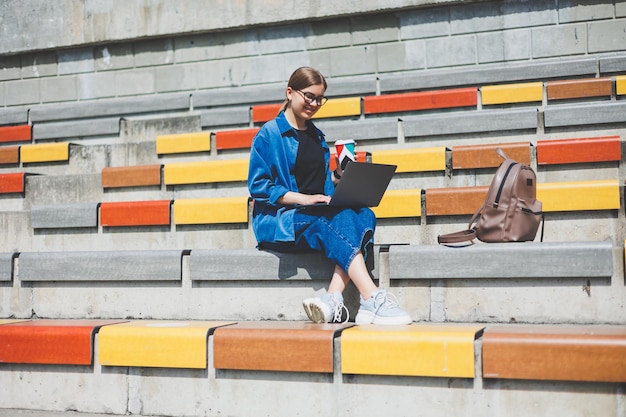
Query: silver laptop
(362, 184)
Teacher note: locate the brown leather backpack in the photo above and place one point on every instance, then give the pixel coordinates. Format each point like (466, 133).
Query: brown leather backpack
(511, 212)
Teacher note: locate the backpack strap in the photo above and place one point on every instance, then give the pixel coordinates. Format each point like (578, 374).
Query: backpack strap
(466, 235)
(501, 152)
(457, 237)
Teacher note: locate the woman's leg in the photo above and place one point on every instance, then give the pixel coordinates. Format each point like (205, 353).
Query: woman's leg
(357, 272)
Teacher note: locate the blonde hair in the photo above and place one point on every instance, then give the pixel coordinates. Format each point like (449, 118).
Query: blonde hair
(302, 78)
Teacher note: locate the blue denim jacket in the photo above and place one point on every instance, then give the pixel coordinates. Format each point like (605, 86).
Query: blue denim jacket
(270, 176)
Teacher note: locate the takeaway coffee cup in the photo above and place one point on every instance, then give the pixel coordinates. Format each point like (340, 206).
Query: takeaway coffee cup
(345, 152)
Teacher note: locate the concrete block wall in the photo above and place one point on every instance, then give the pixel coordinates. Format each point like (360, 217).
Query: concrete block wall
(404, 38)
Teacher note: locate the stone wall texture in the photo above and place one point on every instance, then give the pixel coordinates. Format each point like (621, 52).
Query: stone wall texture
(76, 50)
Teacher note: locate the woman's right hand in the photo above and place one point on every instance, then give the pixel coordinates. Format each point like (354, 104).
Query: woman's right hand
(293, 198)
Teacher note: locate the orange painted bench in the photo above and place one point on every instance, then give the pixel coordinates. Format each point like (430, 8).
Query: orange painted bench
(580, 150)
(580, 88)
(485, 156)
(12, 182)
(21, 133)
(454, 200)
(276, 346)
(557, 353)
(131, 176)
(9, 155)
(135, 213)
(440, 99)
(234, 139)
(54, 342)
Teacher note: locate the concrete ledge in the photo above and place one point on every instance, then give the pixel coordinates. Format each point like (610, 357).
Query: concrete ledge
(610, 65)
(488, 74)
(64, 215)
(588, 114)
(239, 115)
(6, 265)
(158, 265)
(257, 265)
(470, 122)
(503, 260)
(266, 93)
(13, 115)
(109, 107)
(77, 128)
(381, 128)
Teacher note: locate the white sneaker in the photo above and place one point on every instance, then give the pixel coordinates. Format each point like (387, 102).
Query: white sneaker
(328, 308)
(381, 308)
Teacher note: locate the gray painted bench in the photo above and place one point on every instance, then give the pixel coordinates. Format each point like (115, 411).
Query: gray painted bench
(468, 122)
(109, 107)
(139, 265)
(260, 265)
(573, 115)
(503, 260)
(77, 128)
(64, 215)
(489, 75)
(6, 265)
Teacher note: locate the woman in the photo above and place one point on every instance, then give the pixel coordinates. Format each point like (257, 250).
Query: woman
(289, 174)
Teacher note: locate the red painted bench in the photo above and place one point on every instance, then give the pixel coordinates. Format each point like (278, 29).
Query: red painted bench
(440, 99)
(56, 342)
(581, 150)
(264, 112)
(13, 182)
(135, 213)
(21, 133)
(235, 139)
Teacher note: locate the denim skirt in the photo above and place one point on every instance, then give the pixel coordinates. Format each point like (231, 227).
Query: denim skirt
(339, 233)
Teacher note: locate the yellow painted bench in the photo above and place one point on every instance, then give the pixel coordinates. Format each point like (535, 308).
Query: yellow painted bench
(152, 343)
(183, 143)
(216, 210)
(412, 350)
(45, 152)
(334, 107)
(400, 203)
(579, 195)
(412, 160)
(512, 93)
(340, 107)
(620, 85)
(226, 170)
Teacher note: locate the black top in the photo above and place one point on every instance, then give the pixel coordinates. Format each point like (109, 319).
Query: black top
(309, 169)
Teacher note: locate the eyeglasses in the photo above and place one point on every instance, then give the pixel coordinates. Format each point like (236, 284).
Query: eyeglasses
(310, 98)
